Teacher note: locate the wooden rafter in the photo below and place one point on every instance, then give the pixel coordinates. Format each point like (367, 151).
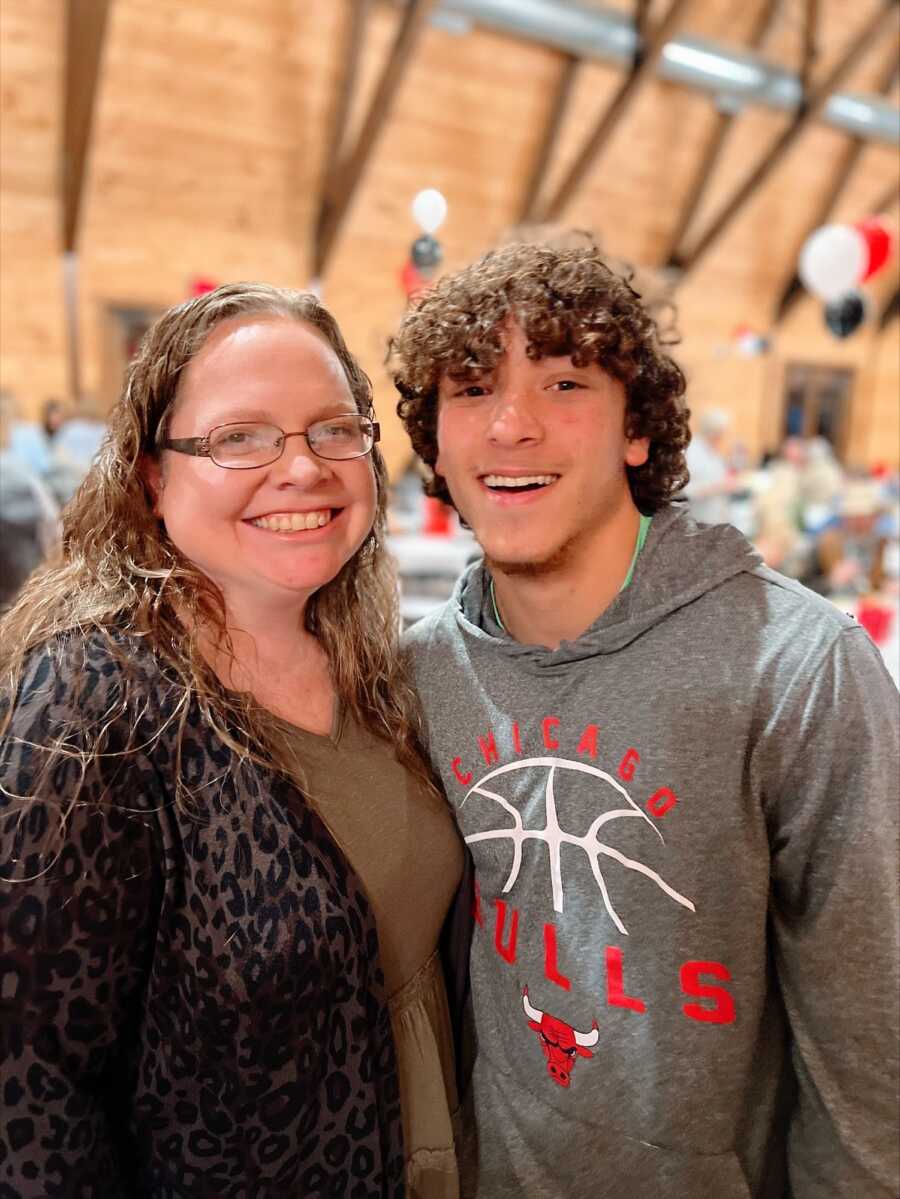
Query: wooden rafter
(815, 102)
(347, 173)
(810, 46)
(649, 51)
(641, 14)
(86, 22)
(887, 199)
(340, 113)
(713, 151)
(558, 109)
(890, 310)
(843, 173)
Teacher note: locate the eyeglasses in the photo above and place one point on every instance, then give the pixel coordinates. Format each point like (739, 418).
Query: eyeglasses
(245, 446)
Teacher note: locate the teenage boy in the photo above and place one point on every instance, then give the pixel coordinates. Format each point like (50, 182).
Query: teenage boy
(676, 771)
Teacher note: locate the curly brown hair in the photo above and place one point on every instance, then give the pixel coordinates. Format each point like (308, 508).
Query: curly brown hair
(568, 302)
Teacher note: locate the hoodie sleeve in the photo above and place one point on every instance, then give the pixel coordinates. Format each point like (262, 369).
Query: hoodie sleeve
(80, 886)
(830, 781)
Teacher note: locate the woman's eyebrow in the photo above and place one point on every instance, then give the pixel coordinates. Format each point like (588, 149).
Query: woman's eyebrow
(241, 416)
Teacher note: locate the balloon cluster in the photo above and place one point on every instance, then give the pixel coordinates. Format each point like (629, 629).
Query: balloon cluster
(835, 260)
(429, 210)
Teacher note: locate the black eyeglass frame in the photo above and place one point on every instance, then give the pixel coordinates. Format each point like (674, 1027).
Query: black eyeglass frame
(199, 447)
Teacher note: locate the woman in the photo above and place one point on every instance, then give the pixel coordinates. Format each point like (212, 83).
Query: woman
(225, 866)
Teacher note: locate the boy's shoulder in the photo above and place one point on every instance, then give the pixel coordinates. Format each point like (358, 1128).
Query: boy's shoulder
(420, 637)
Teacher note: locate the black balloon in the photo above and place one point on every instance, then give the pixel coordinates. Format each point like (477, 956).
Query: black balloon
(844, 315)
(426, 252)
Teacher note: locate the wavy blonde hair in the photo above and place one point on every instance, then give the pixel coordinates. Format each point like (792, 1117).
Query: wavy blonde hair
(119, 574)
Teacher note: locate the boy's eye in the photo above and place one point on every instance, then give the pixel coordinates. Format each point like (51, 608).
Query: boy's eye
(566, 385)
(472, 391)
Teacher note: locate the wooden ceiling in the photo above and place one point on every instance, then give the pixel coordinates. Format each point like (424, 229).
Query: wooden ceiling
(211, 143)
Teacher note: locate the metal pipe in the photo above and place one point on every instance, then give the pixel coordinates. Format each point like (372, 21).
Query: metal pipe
(735, 77)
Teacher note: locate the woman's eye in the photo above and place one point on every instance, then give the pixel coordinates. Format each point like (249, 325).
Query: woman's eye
(336, 431)
(235, 438)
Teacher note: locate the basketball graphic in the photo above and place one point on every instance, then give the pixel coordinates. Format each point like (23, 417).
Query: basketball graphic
(548, 774)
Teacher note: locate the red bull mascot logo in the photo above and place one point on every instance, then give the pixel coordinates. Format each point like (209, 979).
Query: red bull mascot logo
(562, 1044)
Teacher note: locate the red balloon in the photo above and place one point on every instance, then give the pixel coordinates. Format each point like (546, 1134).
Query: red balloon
(411, 280)
(199, 286)
(878, 241)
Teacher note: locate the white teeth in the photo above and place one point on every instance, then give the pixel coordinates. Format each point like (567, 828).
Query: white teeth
(293, 522)
(519, 481)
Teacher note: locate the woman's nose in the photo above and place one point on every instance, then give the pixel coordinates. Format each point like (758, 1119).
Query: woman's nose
(298, 465)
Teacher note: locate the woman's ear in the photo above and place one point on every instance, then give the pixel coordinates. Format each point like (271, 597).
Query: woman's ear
(151, 473)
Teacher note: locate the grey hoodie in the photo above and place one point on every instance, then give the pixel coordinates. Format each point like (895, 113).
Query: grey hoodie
(684, 827)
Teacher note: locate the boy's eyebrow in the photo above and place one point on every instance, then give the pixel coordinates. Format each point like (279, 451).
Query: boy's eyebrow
(460, 374)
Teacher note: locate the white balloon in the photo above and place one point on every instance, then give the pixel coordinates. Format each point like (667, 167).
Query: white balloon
(832, 261)
(429, 209)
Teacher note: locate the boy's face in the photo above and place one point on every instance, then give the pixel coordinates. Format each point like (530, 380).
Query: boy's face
(534, 456)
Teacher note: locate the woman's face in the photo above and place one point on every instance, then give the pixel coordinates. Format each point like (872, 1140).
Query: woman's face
(281, 372)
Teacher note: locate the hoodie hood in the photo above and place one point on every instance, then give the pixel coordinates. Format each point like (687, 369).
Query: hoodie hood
(680, 561)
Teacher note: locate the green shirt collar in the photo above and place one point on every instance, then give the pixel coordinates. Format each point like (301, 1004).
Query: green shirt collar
(643, 530)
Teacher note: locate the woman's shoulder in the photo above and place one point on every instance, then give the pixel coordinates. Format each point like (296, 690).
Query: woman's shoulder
(87, 679)
(87, 666)
(82, 725)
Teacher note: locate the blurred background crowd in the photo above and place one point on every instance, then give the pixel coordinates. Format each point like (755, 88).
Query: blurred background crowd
(836, 530)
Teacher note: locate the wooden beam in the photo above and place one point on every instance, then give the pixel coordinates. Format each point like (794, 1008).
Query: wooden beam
(810, 46)
(86, 22)
(716, 144)
(648, 52)
(887, 199)
(353, 44)
(348, 175)
(816, 101)
(558, 109)
(641, 15)
(890, 311)
(843, 172)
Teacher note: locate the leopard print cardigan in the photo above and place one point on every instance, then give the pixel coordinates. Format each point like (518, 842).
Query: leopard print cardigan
(192, 1002)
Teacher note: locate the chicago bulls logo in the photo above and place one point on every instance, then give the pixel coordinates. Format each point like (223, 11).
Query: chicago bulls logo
(562, 1044)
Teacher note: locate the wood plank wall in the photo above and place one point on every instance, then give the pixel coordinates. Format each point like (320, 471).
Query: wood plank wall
(208, 145)
(32, 328)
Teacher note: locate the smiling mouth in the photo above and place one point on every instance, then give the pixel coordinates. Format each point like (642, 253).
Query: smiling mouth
(293, 522)
(511, 483)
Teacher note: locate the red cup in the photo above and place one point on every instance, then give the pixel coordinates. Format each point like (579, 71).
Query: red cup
(875, 619)
(437, 518)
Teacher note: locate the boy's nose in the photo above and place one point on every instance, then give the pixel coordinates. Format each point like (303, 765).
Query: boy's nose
(513, 419)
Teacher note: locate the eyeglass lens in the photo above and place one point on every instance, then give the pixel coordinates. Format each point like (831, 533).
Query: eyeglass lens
(247, 445)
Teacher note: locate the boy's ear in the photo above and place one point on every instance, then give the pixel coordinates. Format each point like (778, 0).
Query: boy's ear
(637, 451)
(151, 473)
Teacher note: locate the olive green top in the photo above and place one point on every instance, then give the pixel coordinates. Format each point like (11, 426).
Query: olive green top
(403, 844)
